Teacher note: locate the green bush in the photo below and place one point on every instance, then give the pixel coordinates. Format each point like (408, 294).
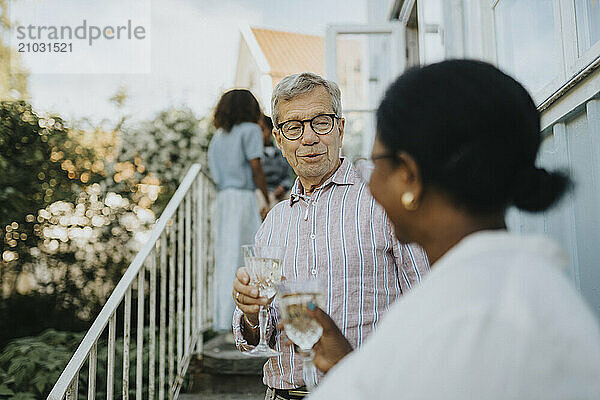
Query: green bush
(29, 367)
(32, 314)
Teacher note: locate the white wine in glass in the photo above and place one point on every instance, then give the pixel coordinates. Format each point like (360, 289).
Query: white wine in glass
(265, 273)
(264, 264)
(292, 300)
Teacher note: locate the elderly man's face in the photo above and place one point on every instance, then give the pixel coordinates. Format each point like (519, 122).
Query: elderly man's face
(313, 157)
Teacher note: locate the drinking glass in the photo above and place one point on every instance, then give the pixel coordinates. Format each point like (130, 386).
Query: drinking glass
(292, 300)
(264, 267)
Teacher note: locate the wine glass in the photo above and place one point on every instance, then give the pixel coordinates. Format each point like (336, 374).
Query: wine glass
(264, 265)
(292, 300)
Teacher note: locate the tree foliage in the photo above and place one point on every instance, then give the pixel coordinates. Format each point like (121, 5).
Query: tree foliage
(30, 178)
(85, 247)
(29, 367)
(86, 199)
(41, 162)
(159, 152)
(13, 76)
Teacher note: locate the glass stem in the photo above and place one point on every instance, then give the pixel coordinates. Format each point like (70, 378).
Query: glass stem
(309, 370)
(262, 325)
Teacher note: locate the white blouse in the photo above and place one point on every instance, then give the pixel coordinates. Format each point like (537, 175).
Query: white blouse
(494, 319)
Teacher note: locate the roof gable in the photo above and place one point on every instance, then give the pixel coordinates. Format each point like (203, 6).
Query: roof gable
(288, 53)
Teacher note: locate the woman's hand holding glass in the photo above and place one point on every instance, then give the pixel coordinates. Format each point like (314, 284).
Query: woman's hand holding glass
(333, 345)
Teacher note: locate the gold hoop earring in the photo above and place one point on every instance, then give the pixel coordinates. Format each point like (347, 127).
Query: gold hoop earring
(409, 202)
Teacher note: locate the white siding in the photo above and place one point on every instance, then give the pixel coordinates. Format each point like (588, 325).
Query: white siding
(571, 136)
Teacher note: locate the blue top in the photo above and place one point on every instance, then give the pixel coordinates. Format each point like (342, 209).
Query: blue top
(229, 155)
(276, 168)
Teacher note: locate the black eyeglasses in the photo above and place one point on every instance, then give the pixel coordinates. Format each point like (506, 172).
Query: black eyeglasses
(293, 129)
(382, 156)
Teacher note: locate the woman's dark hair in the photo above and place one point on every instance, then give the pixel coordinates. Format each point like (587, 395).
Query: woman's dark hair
(474, 132)
(234, 107)
(267, 121)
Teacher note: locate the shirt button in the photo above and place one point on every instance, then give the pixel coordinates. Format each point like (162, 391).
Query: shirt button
(312, 236)
(314, 272)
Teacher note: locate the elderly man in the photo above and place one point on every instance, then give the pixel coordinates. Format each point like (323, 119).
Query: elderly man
(331, 228)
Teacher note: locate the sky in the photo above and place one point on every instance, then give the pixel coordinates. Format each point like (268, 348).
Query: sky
(192, 50)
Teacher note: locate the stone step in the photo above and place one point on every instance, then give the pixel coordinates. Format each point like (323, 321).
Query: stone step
(220, 356)
(226, 386)
(223, 372)
(222, 396)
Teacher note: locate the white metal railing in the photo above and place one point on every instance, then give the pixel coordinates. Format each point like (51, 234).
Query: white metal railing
(179, 256)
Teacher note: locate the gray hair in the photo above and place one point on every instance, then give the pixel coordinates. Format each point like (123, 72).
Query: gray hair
(296, 84)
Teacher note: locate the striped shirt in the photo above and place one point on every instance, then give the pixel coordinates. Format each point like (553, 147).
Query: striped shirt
(342, 237)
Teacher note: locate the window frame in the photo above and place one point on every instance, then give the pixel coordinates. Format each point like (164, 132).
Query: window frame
(396, 32)
(575, 62)
(541, 95)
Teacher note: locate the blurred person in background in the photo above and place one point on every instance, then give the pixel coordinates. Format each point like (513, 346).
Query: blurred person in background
(234, 155)
(276, 168)
(496, 318)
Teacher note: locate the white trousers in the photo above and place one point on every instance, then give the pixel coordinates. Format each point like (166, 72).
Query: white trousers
(236, 223)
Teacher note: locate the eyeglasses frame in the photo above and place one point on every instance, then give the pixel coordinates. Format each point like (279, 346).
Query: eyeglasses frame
(383, 156)
(302, 122)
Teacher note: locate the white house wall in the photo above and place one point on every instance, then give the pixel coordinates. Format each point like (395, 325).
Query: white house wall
(248, 75)
(574, 146)
(431, 39)
(571, 139)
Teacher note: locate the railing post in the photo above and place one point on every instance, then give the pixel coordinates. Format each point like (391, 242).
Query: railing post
(139, 369)
(163, 316)
(180, 237)
(200, 259)
(188, 271)
(184, 302)
(110, 368)
(92, 359)
(152, 326)
(172, 248)
(72, 391)
(126, 342)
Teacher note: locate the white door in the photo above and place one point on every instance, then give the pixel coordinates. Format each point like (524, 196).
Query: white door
(363, 60)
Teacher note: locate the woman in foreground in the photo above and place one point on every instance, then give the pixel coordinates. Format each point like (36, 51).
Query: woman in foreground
(496, 318)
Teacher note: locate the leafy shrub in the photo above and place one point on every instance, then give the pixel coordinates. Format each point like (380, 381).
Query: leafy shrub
(162, 150)
(77, 203)
(29, 367)
(34, 313)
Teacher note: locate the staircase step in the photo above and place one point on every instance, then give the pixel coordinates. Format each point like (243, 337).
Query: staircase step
(223, 372)
(220, 356)
(226, 387)
(222, 396)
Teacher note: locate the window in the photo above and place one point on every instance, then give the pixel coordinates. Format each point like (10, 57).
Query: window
(526, 42)
(587, 17)
(363, 59)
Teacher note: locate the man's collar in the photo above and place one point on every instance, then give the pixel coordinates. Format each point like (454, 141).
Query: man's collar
(344, 175)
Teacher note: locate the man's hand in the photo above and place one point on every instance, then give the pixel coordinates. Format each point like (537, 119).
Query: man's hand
(333, 345)
(246, 296)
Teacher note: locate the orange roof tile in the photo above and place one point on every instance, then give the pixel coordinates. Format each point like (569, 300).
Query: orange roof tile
(288, 53)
